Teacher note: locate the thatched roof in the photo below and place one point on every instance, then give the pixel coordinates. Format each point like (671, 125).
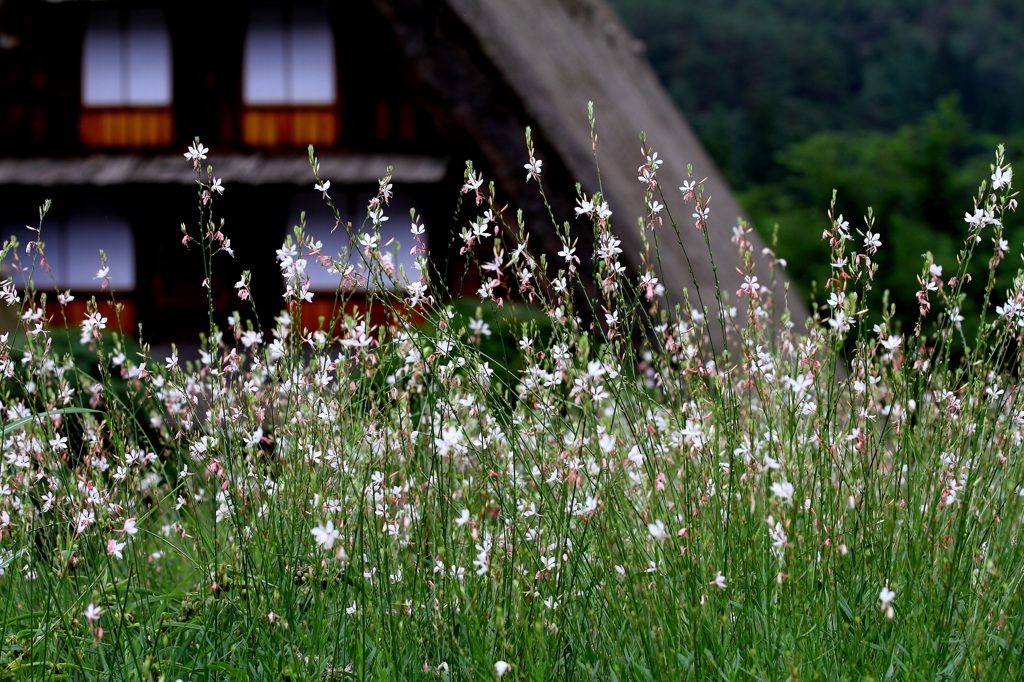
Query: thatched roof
(558, 55)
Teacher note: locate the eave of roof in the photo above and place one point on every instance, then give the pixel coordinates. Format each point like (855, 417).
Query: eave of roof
(104, 170)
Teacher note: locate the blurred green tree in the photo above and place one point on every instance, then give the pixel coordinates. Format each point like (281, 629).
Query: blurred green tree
(897, 104)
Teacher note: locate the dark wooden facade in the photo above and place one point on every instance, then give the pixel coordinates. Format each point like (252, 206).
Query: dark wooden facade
(421, 85)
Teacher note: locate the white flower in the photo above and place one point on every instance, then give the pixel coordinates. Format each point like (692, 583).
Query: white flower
(217, 187)
(253, 439)
(92, 613)
(872, 241)
(784, 491)
(501, 667)
(657, 530)
(778, 536)
(322, 186)
(533, 168)
(886, 596)
(1002, 178)
(719, 581)
(843, 226)
(892, 343)
(326, 535)
(840, 322)
(368, 241)
(974, 220)
(196, 153)
(480, 328)
(568, 253)
(749, 287)
(114, 548)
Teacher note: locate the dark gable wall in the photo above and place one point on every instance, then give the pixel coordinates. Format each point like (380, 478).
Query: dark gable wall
(473, 104)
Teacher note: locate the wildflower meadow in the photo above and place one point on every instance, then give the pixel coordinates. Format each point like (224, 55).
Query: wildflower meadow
(628, 490)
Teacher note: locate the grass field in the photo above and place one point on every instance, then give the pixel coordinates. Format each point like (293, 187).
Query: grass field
(520, 486)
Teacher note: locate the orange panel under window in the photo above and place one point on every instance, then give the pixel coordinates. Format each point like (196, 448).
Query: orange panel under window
(323, 307)
(383, 120)
(76, 311)
(393, 119)
(289, 126)
(406, 121)
(136, 127)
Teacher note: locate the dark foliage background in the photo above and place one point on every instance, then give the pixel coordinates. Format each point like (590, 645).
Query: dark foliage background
(897, 104)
